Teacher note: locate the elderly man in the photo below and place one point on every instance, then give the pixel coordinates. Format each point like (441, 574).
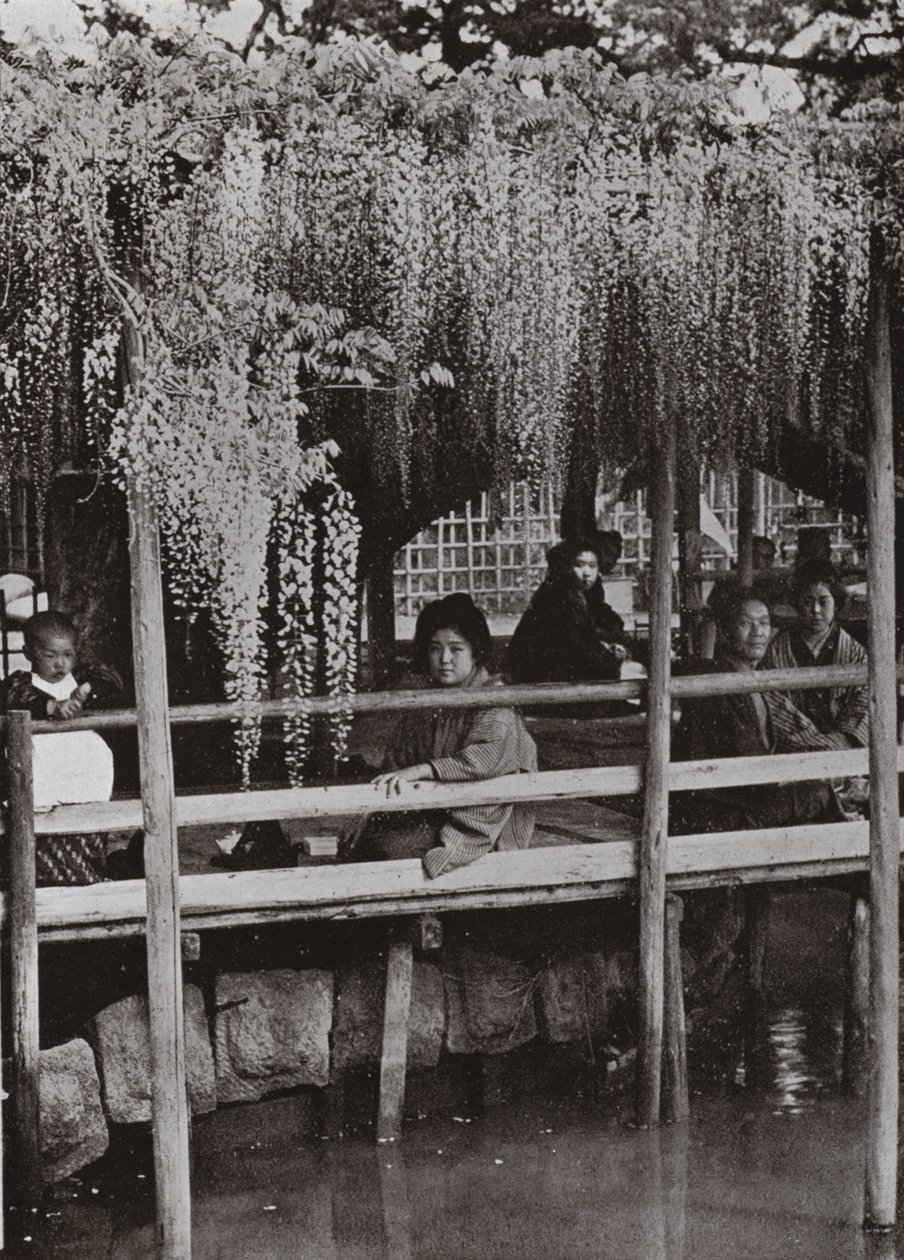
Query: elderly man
(748, 726)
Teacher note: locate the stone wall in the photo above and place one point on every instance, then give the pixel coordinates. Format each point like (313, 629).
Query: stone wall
(255, 1033)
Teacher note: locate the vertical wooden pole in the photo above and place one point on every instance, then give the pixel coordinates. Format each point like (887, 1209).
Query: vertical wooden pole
(856, 1001)
(24, 962)
(675, 1103)
(882, 1095)
(394, 1057)
(654, 837)
(469, 545)
(746, 523)
(161, 859)
(757, 902)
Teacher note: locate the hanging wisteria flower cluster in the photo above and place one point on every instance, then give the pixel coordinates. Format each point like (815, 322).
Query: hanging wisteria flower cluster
(327, 243)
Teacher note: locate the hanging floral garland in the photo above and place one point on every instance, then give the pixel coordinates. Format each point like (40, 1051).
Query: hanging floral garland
(544, 249)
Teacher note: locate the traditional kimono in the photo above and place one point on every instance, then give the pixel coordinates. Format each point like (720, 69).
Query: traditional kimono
(461, 746)
(840, 713)
(747, 726)
(565, 635)
(63, 859)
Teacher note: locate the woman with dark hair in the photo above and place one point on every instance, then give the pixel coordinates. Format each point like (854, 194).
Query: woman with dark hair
(568, 632)
(841, 714)
(453, 646)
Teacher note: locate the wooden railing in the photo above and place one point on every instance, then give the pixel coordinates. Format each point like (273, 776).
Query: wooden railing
(585, 871)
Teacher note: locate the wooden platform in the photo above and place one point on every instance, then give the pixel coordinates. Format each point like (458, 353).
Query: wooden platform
(569, 822)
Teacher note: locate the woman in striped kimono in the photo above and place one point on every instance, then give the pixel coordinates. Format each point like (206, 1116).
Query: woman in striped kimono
(453, 646)
(840, 713)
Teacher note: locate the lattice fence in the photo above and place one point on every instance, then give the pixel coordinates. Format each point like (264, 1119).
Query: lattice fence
(495, 549)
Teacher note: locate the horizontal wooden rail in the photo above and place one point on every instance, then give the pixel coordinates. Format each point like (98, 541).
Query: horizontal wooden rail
(528, 877)
(682, 688)
(350, 800)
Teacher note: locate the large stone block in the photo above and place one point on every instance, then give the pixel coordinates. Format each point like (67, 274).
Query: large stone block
(272, 1032)
(489, 1002)
(358, 1015)
(73, 1126)
(573, 993)
(122, 1035)
(622, 972)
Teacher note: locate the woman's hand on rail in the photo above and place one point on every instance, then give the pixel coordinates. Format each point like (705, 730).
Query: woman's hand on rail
(392, 781)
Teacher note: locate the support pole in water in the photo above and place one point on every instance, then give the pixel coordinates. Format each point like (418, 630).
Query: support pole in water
(882, 1091)
(23, 932)
(654, 837)
(161, 859)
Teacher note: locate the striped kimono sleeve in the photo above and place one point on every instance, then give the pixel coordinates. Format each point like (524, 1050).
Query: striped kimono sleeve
(793, 731)
(496, 744)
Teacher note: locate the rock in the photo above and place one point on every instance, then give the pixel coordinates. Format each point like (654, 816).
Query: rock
(122, 1035)
(358, 1017)
(623, 972)
(489, 1002)
(272, 1032)
(573, 997)
(73, 1126)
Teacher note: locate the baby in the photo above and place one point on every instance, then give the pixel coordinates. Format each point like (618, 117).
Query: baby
(50, 690)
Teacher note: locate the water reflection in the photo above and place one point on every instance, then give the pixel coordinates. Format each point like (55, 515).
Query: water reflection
(529, 1183)
(798, 1056)
(771, 1170)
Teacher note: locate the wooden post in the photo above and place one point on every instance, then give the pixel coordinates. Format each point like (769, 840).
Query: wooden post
(394, 1057)
(856, 1001)
(756, 913)
(161, 859)
(469, 545)
(675, 1104)
(654, 838)
(882, 1105)
(24, 962)
(746, 524)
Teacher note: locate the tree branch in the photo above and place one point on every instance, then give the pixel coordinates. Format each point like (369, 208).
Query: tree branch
(848, 67)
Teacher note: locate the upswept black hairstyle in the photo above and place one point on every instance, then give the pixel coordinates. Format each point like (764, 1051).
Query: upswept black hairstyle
(561, 558)
(818, 572)
(43, 623)
(454, 612)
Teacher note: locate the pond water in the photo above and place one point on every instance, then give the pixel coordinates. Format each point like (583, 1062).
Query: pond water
(774, 1170)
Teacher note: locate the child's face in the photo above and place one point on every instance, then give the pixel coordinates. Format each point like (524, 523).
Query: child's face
(53, 656)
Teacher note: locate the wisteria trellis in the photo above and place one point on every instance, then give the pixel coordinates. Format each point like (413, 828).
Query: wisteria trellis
(518, 261)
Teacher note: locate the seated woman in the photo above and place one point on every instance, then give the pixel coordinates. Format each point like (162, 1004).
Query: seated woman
(747, 726)
(568, 632)
(453, 647)
(840, 713)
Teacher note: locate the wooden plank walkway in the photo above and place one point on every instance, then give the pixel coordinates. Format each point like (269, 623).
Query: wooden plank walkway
(527, 877)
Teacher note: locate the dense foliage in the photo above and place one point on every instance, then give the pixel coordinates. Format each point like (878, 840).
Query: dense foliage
(837, 50)
(517, 255)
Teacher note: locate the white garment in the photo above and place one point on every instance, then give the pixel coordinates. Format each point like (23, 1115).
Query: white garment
(61, 690)
(71, 768)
